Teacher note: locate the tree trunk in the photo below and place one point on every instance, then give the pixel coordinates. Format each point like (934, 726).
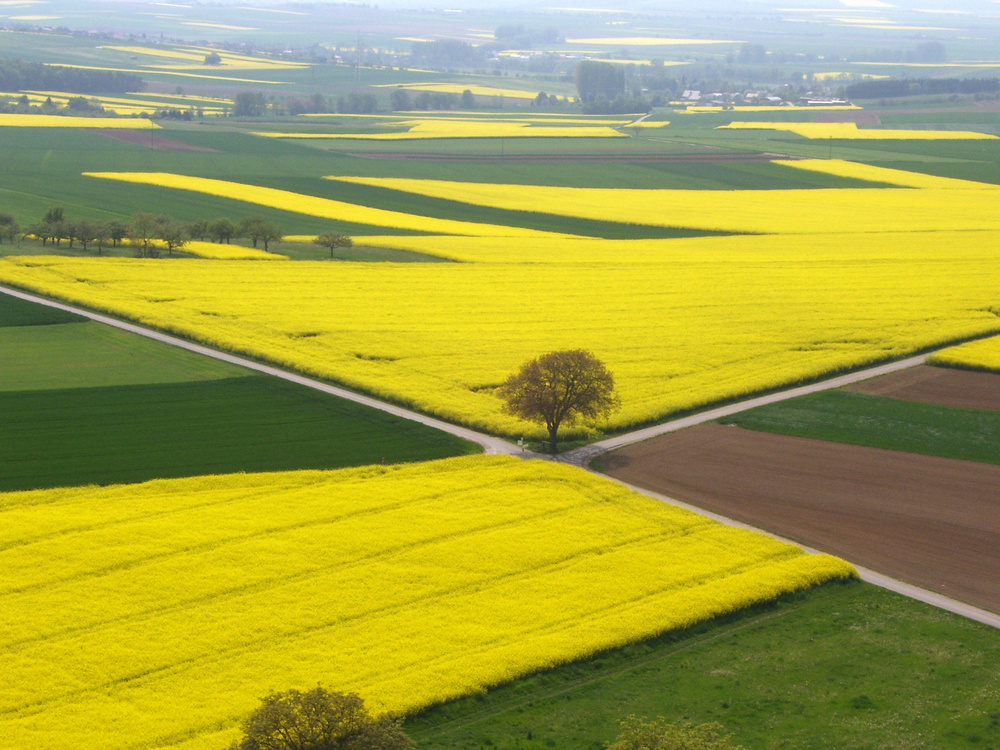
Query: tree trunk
(553, 430)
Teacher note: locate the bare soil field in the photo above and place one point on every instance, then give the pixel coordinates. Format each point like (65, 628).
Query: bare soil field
(937, 385)
(933, 522)
(147, 138)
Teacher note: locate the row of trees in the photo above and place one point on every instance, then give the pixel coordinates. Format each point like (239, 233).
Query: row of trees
(147, 233)
(888, 88)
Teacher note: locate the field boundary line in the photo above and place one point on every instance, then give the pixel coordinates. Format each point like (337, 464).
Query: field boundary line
(587, 453)
(490, 444)
(679, 648)
(865, 574)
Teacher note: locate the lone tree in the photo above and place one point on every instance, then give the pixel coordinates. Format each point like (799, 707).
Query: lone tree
(331, 240)
(560, 387)
(640, 734)
(319, 719)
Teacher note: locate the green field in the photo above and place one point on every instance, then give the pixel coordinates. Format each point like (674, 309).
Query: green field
(121, 434)
(84, 403)
(15, 311)
(843, 667)
(877, 422)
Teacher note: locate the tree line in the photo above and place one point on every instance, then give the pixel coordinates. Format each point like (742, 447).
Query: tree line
(886, 89)
(149, 233)
(18, 75)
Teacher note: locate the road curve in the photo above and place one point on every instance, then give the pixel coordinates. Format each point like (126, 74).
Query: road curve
(579, 456)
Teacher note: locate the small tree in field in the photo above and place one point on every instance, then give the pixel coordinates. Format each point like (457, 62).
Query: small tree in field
(640, 734)
(560, 387)
(319, 719)
(333, 240)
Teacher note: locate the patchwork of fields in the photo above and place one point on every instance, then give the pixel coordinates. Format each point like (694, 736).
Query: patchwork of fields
(179, 537)
(682, 323)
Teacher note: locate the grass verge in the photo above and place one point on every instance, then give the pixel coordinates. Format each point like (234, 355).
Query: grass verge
(15, 311)
(841, 667)
(878, 422)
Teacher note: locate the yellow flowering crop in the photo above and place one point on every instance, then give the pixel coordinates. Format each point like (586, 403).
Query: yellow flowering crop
(765, 108)
(195, 57)
(681, 323)
(851, 130)
(313, 206)
(941, 204)
(218, 251)
(645, 41)
(454, 128)
(458, 88)
(59, 121)
(983, 354)
(156, 614)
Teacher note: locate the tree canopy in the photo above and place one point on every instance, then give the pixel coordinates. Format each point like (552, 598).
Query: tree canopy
(560, 387)
(641, 734)
(319, 719)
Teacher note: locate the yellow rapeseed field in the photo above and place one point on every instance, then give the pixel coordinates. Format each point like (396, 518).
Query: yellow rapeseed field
(156, 615)
(851, 130)
(313, 206)
(682, 323)
(983, 354)
(941, 203)
(471, 128)
(458, 88)
(219, 251)
(59, 121)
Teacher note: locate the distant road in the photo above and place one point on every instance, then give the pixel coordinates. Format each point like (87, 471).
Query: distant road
(580, 456)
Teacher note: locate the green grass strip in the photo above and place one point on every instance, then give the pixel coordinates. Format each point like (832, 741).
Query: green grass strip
(123, 434)
(878, 422)
(15, 311)
(90, 355)
(831, 669)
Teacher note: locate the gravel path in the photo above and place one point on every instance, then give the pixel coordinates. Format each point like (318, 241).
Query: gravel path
(579, 456)
(489, 443)
(584, 455)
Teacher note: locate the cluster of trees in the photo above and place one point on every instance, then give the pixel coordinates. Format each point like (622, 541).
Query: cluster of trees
(450, 52)
(256, 104)
(17, 75)
(402, 101)
(55, 228)
(9, 228)
(513, 36)
(601, 87)
(888, 88)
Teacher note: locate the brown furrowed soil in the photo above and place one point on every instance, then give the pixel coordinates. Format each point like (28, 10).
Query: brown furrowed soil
(937, 385)
(147, 138)
(933, 522)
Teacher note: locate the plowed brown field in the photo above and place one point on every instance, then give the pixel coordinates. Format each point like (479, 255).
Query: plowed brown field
(933, 522)
(937, 385)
